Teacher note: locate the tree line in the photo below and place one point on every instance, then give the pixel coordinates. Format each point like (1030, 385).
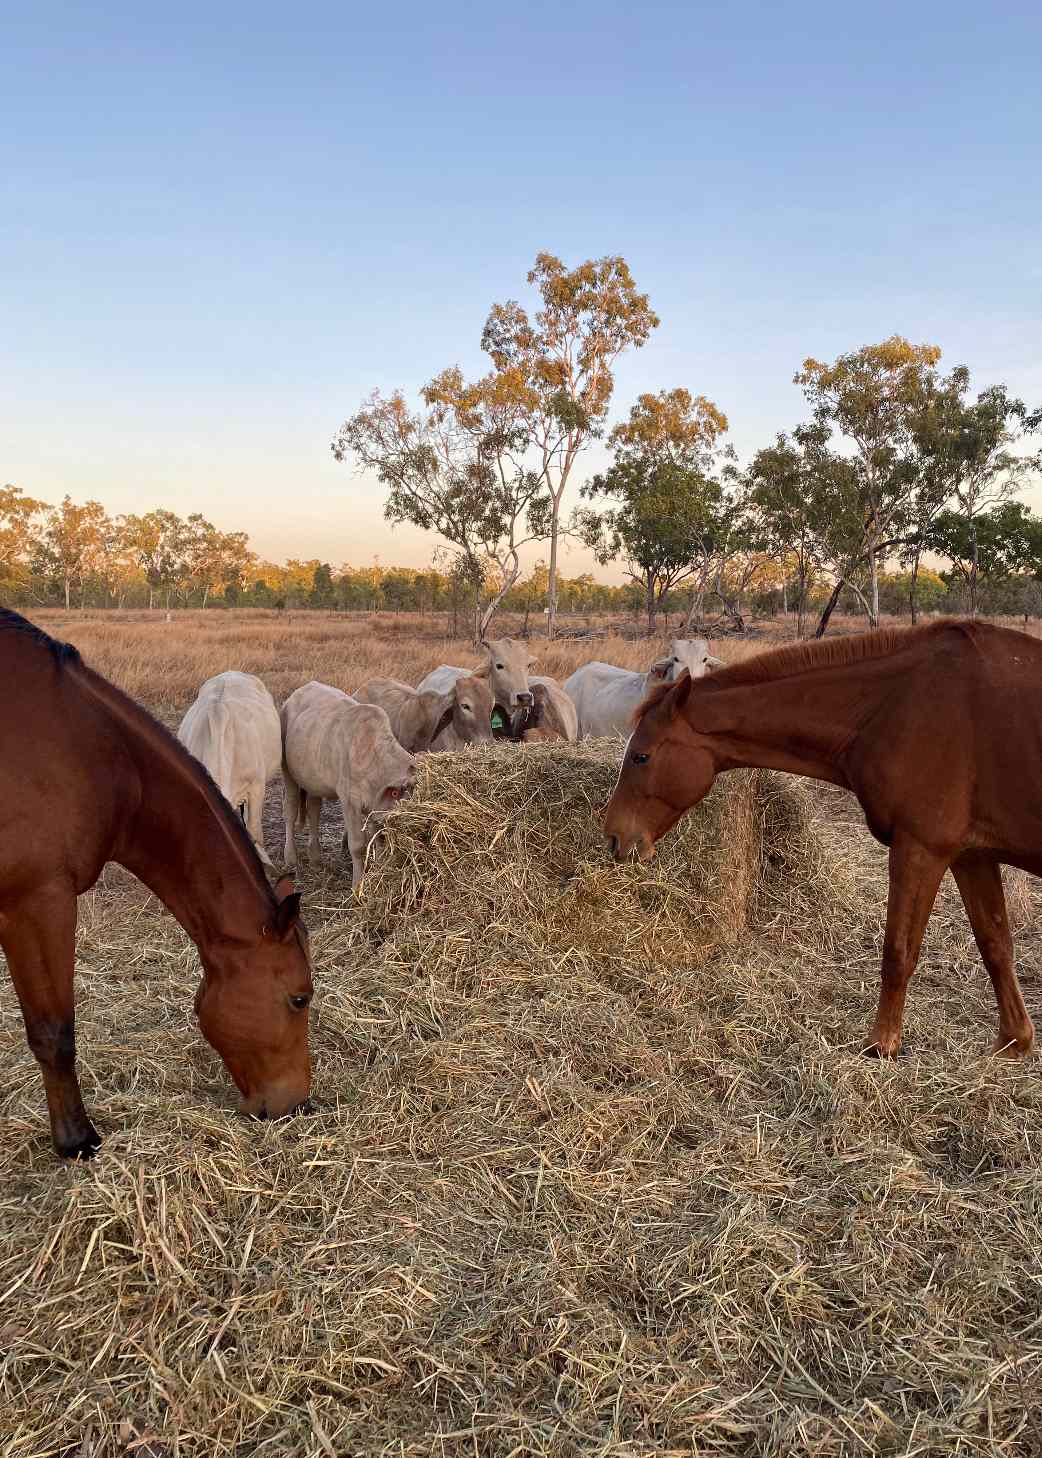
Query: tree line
(896, 468)
(897, 464)
(78, 556)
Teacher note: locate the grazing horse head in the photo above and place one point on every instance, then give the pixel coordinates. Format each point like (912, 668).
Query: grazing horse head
(666, 768)
(252, 1007)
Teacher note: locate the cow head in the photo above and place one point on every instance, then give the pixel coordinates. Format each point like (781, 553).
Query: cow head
(506, 669)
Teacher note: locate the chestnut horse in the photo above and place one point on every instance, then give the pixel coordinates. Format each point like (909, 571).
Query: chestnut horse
(938, 732)
(86, 776)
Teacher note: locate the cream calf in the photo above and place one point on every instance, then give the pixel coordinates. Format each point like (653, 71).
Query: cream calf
(336, 748)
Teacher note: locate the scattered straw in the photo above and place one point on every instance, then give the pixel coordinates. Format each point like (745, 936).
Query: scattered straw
(597, 1167)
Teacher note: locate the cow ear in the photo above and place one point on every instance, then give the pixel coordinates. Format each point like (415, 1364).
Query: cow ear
(660, 670)
(712, 662)
(443, 723)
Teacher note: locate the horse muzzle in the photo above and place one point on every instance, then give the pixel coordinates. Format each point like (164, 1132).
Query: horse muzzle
(623, 846)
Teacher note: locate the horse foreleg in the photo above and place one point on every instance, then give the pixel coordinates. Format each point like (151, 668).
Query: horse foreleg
(39, 940)
(915, 875)
(980, 886)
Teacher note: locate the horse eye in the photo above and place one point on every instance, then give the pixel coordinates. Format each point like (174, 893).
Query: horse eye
(640, 758)
(300, 1001)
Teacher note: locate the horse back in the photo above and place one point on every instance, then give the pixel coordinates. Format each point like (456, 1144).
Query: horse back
(953, 751)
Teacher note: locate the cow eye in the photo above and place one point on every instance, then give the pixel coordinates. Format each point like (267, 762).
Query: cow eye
(499, 665)
(639, 758)
(299, 1001)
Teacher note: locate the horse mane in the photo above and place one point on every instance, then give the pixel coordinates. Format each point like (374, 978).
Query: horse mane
(796, 658)
(67, 656)
(59, 651)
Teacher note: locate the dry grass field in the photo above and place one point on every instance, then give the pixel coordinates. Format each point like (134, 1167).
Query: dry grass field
(163, 663)
(596, 1165)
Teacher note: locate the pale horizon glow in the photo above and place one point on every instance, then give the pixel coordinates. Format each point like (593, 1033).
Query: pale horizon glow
(224, 228)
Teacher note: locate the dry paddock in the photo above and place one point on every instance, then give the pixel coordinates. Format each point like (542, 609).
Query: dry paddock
(597, 1166)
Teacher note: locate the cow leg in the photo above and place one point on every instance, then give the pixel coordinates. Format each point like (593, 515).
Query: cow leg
(915, 875)
(980, 886)
(314, 815)
(255, 820)
(290, 808)
(355, 844)
(39, 941)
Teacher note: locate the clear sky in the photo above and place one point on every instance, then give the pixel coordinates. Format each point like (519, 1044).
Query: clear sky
(224, 224)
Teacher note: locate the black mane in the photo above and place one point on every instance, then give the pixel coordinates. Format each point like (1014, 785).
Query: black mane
(59, 651)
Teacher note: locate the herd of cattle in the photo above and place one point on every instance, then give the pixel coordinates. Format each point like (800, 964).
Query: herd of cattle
(360, 748)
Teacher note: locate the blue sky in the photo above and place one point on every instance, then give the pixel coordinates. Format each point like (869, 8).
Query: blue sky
(225, 224)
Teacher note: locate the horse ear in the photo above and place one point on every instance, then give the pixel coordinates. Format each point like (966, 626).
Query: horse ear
(287, 913)
(679, 695)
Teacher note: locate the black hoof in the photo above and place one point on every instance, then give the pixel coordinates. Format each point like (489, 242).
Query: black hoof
(86, 1148)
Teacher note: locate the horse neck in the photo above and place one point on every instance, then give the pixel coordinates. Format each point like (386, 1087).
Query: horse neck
(800, 724)
(181, 841)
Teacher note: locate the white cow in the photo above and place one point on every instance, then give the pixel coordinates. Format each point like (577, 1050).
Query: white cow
(607, 697)
(553, 713)
(506, 668)
(233, 729)
(460, 716)
(335, 748)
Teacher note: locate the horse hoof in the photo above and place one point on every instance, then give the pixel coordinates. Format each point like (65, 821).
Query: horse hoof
(874, 1051)
(86, 1148)
(1011, 1048)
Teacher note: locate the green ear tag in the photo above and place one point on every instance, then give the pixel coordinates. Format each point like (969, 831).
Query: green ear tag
(499, 719)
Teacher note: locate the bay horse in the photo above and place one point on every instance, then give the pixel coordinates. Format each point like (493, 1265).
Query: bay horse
(87, 776)
(938, 732)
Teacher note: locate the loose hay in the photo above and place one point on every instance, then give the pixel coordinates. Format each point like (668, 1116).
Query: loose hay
(597, 1168)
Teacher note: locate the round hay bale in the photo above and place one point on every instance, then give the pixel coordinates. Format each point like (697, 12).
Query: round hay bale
(499, 855)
